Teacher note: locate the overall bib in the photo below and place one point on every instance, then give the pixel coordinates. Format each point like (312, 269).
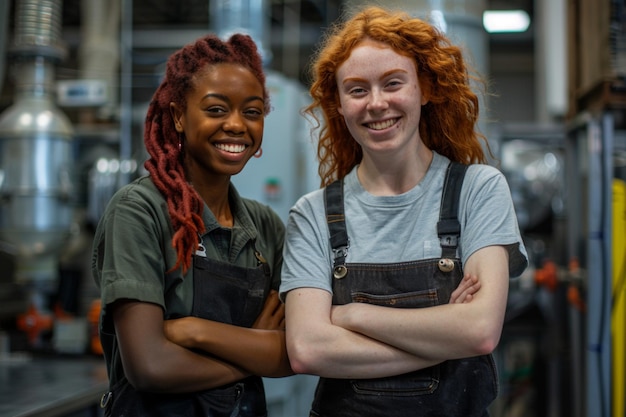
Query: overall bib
(454, 388)
(225, 293)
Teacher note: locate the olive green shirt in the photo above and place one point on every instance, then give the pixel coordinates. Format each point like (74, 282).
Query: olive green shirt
(132, 252)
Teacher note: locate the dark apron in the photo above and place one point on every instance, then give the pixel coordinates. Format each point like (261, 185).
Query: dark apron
(454, 388)
(224, 293)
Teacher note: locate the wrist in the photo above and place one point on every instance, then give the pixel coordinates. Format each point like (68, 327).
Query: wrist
(342, 315)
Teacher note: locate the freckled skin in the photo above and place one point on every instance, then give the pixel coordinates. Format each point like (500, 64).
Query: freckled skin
(378, 85)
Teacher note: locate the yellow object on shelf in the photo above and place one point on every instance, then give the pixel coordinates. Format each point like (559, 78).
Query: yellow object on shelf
(618, 319)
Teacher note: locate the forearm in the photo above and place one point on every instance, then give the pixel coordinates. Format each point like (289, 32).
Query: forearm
(260, 352)
(443, 332)
(318, 347)
(446, 331)
(347, 354)
(181, 370)
(153, 363)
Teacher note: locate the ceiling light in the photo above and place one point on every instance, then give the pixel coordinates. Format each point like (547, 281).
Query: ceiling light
(501, 21)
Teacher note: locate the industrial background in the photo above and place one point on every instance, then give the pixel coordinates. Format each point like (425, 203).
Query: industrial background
(75, 80)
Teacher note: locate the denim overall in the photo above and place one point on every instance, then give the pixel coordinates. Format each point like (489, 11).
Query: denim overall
(454, 388)
(224, 293)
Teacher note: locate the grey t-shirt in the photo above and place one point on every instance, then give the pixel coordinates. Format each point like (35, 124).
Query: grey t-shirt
(389, 229)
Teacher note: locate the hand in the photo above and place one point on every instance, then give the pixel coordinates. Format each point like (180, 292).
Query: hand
(466, 290)
(272, 316)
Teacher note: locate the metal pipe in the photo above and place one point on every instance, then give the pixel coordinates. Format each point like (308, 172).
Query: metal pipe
(35, 147)
(246, 16)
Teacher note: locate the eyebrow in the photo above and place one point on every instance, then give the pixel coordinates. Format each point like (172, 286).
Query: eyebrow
(385, 74)
(225, 98)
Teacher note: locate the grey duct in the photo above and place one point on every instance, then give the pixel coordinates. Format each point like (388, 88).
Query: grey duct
(4, 32)
(245, 16)
(99, 49)
(35, 146)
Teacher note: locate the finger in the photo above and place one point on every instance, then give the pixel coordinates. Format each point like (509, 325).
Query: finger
(468, 285)
(280, 311)
(458, 291)
(274, 305)
(273, 298)
(468, 293)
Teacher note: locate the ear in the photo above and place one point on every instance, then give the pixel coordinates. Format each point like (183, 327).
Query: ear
(178, 116)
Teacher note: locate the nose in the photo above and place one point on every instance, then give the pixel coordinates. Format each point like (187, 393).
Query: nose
(377, 100)
(234, 123)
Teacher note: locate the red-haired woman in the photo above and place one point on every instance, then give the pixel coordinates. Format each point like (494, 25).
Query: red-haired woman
(408, 209)
(188, 269)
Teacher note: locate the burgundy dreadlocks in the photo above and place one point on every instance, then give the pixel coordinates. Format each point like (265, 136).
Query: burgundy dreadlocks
(162, 141)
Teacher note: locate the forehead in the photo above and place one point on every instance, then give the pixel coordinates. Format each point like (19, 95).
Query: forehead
(225, 75)
(370, 56)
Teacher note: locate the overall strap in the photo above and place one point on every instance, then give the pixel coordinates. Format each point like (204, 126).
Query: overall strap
(335, 217)
(448, 227)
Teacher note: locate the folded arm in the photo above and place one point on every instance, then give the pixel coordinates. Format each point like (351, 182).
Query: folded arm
(319, 347)
(447, 331)
(155, 364)
(259, 350)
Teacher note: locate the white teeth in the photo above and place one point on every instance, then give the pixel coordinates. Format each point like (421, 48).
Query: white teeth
(232, 148)
(381, 125)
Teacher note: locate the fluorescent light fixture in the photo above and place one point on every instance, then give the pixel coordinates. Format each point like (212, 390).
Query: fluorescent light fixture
(502, 21)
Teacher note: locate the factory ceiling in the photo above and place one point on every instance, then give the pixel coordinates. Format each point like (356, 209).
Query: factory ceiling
(306, 18)
(295, 26)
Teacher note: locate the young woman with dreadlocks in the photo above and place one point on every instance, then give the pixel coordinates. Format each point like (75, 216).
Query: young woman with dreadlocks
(188, 269)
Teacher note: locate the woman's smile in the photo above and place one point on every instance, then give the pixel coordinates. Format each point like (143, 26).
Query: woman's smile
(385, 124)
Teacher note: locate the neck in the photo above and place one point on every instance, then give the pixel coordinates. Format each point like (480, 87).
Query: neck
(215, 196)
(384, 177)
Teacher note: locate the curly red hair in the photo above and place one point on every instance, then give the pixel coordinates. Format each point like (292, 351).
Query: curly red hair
(162, 141)
(448, 123)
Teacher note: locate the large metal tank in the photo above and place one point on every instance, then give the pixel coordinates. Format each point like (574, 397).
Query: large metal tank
(35, 146)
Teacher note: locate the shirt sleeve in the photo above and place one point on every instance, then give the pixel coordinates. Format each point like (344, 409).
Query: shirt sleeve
(129, 258)
(488, 217)
(307, 250)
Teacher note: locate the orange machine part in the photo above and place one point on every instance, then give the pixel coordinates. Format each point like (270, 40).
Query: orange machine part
(547, 275)
(33, 323)
(94, 318)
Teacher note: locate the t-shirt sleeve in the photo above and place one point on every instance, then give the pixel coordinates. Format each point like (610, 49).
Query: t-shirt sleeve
(488, 217)
(128, 259)
(306, 255)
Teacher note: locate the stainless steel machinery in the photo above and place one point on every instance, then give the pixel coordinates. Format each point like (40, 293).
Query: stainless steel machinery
(35, 152)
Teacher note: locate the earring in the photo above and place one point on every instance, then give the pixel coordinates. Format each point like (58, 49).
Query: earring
(258, 153)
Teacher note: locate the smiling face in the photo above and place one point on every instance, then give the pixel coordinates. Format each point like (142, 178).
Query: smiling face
(380, 99)
(222, 123)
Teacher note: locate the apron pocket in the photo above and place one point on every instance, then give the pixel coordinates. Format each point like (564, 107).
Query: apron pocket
(414, 299)
(422, 382)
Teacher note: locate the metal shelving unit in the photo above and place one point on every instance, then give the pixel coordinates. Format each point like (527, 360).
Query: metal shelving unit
(594, 138)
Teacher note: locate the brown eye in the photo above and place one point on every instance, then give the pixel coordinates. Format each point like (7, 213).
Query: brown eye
(216, 110)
